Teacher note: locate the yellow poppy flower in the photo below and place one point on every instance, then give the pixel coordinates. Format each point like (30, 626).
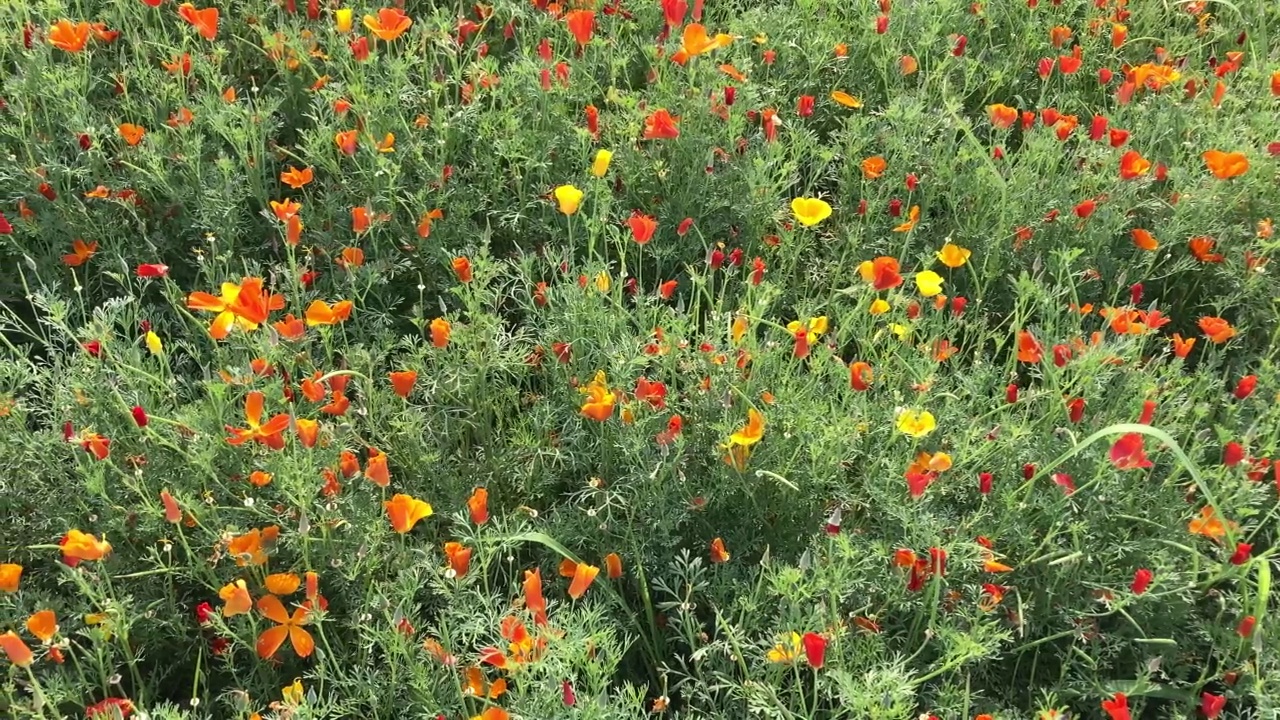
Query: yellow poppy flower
(846, 99)
(879, 307)
(953, 256)
(569, 198)
(929, 283)
(810, 211)
(916, 423)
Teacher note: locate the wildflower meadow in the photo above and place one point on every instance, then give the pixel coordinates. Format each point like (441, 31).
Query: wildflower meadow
(614, 359)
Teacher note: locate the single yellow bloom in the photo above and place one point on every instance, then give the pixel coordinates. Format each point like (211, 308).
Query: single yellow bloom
(600, 165)
(810, 211)
(739, 328)
(846, 99)
(916, 423)
(153, 343)
(342, 18)
(292, 694)
(603, 282)
(929, 283)
(569, 198)
(902, 331)
(752, 432)
(879, 307)
(785, 652)
(953, 256)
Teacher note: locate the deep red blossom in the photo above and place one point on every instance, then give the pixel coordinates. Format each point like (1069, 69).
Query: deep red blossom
(1142, 578)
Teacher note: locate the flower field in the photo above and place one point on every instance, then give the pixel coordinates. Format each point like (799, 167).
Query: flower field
(639, 359)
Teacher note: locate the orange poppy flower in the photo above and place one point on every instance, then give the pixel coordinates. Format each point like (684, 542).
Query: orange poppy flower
(387, 144)
(246, 305)
(661, 125)
(583, 576)
(860, 375)
(600, 401)
(913, 217)
(1202, 249)
(351, 257)
(882, 272)
(1208, 524)
(389, 24)
(10, 575)
(1226, 165)
(581, 23)
(80, 253)
(733, 72)
(424, 222)
(295, 178)
(181, 118)
(229, 95)
(873, 167)
(908, 65)
(613, 566)
(69, 37)
(462, 268)
(533, 599)
(285, 209)
(290, 328)
(405, 511)
(1144, 239)
(131, 133)
(845, 99)
(459, 557)
(15, 649)
(320, 313)
(251, 547)
(359, 219)
(288, 627)
(308, 432)
(378, 472)
(293, 230)
(1182, 348)
(78, 546)
(43, 625)
(1029, 349)
(1133, 165)
(440, 330)
(1216, 329)
(268, 434)
(1002, 116)
(205, 21)
(718, 552)
(283, 583)
(402, 382)
(346, 141)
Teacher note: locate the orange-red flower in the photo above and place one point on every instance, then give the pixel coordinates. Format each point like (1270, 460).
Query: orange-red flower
(581, 24)
(882, 272)
(1226, 165)
(583, 576)
(43, 625)
(69, 37)
(235, 599)
(287, 627)
(320, 313)
(1208, 524)
(873, 167)
(78, 546)
(205, 21)
(860, 375)
(285, 210)
(405, 511)
(1202, 249)
(426, 220)
(1216, 329)
(696, 41)
(80, 253)
(440, 331)
(613, 566)
(402, 382)
(290, 328)
(642, 227)
(1182, 348)
(295, 178)
(718, 553)
(1029, 349)
(661, 125)
(478, 505)
(378, 472)
(10, 576)
(351, 257)
(533, 599)
(462, 268)
(346, 141)
(599, 402)
(1144, 239)
(459, 557)
(1133, 165)
(246, 305)
(913, 217)
(389, 24)
(15, 649)
(268, 434)
(131, 133)
(308, 432)
(1002, 116)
